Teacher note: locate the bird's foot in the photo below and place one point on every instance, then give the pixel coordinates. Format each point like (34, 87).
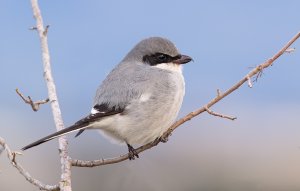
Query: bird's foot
(132, 152)
(163, 139)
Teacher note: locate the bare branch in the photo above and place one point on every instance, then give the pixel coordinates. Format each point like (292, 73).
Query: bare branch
(65, 182)
(218, 114)
(101, 162)
(35, 105)
(256, 71)
(252, 73)
(12, 157)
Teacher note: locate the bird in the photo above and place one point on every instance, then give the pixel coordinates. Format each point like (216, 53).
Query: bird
(139, 99)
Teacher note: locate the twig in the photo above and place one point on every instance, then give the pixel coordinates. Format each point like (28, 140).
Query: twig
(249, 82)
(218, 114)
(65, 182)
(218, 92)
(32, 28)
(256, 71)
(290, 50)
(259, 73)
(12, 157)
(35, 105)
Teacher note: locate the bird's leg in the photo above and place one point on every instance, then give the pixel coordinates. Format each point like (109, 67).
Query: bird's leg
(132, 152)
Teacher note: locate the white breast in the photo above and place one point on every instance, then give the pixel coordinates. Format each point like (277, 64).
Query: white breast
(158, 119)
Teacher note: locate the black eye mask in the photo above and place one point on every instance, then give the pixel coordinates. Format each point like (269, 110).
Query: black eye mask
(159, 58)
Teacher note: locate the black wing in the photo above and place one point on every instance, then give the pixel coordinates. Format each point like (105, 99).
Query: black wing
(103, 110)
(80, 125)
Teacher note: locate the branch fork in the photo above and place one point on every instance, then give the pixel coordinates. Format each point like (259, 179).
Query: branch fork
(12, 157)
(218, 114)
(45, 32)
(35, 105)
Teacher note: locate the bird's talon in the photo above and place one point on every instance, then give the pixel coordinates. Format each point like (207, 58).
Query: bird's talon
(132, 153)
(163, 139)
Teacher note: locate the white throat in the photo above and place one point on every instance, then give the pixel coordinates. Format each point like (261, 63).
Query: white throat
(170, 67)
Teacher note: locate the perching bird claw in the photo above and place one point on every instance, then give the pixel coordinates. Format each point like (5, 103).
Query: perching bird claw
(132, 153)
(163, 139)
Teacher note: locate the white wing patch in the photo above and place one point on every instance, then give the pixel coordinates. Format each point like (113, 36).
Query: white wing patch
(94, 111)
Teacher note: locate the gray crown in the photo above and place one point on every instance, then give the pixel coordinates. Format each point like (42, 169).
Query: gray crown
(151, 46)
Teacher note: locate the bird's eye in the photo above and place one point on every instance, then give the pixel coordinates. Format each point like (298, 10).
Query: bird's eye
(161, 57)
(157, 58)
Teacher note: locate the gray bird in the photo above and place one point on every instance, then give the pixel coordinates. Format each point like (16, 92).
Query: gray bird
(139, 99)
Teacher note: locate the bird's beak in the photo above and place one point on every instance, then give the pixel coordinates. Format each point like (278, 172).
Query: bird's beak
(183, 59)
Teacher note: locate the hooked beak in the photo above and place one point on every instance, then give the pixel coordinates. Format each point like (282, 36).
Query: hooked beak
(182, 59)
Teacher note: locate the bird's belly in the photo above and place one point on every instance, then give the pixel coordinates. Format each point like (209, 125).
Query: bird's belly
(144, 122)
(138, 130)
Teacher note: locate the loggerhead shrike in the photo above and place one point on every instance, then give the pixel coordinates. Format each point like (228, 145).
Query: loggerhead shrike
(139, 99)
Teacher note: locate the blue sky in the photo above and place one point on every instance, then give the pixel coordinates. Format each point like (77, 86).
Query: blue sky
(225, 38)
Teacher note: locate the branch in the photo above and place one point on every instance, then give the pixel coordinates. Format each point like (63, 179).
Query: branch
(65, 182)
(12, 157)
(35, 105)
(218, 114)
(256, 72)
(101, 162)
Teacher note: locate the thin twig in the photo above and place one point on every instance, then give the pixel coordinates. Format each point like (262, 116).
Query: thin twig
(218, 114)
(35, 105)
(12, 157)
(256, 71)
(218, 92)
(259, 73)
(290, 50)
(249, 82)
(65, 182)
(33, 28)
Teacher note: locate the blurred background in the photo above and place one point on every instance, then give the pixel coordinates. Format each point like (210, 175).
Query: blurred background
(258, 151)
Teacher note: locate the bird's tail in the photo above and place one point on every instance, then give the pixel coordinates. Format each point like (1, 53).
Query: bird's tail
(65, 131)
